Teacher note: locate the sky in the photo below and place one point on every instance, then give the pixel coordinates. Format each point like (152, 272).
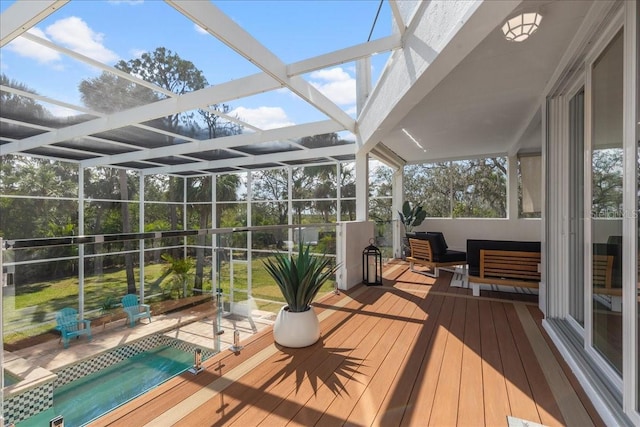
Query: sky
(109, 31)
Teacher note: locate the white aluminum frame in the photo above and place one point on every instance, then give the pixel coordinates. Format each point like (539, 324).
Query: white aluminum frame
(631, 380)
(557, 128)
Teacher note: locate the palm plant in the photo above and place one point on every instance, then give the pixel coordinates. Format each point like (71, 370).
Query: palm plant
(301, 277)
(180, 269)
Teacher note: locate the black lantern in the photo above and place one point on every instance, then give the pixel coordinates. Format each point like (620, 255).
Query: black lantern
(372, 265)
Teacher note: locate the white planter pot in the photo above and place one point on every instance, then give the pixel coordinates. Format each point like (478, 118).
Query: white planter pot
(296, 329)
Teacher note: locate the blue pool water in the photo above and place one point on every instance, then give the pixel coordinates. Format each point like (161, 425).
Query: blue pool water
(10, 379)
(96, 394)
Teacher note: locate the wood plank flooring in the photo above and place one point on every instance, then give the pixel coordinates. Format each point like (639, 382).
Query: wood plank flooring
(414, 352)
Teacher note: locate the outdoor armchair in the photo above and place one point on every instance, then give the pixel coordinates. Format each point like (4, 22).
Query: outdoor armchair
(134, 309)
(69, 325)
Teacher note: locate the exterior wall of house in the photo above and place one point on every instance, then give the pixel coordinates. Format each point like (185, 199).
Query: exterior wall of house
(597, 335)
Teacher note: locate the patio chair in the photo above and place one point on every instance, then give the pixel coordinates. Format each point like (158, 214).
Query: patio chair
(71, 326)
(134, 309)
(430, 249)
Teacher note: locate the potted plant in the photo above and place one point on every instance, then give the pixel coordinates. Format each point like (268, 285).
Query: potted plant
(411, 216)
(299, 278)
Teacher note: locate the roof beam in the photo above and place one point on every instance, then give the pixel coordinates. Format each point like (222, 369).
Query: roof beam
(397, 16)
(122, 74)
(332, 151)
(341, 56)
(239, 88)
(298, 131)
(212, 19)
(22, 15)
(99, 65)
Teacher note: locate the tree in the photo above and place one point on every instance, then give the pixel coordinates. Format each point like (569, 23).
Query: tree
(215, 126)
(19, 107)
(464, 188)
(46, 213)
(199, 192)
(380, 187)
(607, 166)
(348, 191)
(270, 186)
(108, 93)
(430, 186)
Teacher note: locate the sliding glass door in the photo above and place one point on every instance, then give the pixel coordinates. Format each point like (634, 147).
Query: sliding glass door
(607, 161)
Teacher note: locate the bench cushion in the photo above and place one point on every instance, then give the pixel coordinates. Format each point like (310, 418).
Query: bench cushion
(436, 240)
(474, 246)
(450, 256)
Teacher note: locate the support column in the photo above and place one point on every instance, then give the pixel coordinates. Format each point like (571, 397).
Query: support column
(185, 226)
(141, 230)
(363, 82)
(397, 198)
(290, 202)
(338, 192)
(1, 334)
(81, 246)
(249, 235)
(512, 186)
(214, 237)
(362, 186)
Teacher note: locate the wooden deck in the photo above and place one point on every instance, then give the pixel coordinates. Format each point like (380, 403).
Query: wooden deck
(412, 352)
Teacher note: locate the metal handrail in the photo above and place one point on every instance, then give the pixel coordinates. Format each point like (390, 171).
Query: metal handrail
(122, 237)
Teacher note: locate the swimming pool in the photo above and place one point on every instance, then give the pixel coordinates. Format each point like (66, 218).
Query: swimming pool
(10, 379)
(95, 394)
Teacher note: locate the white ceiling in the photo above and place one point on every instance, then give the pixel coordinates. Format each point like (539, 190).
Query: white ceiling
(489, 104)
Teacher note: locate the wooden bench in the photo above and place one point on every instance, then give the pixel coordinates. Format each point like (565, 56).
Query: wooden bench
(509, 268)
(602, 278)
(422, 254)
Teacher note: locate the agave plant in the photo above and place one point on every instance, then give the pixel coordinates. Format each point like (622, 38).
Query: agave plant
(411, 216)
(301, 277)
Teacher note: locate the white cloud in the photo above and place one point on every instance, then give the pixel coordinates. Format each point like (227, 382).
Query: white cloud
(59, 111)
(199, 29)
(352, 110)
(29, 49)
(263, 117)
(336, 84)
(137, 53)
(76, 35)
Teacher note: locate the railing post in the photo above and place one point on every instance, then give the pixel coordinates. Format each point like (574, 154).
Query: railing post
(1, 334)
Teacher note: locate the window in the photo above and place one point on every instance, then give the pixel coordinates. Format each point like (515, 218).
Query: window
(529, 185)
(474, 188)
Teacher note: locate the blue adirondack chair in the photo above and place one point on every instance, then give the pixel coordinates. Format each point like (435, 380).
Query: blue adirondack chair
(71, 326)
(134, 309)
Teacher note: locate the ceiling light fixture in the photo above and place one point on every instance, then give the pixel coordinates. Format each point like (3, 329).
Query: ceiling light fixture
(415, 141)
(521, 26)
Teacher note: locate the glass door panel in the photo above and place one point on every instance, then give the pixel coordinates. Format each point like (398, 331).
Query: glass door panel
(606, 203)
(576, 207)
(637, 296)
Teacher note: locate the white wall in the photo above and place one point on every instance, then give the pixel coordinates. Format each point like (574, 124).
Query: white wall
(457, 231)
(354, 237)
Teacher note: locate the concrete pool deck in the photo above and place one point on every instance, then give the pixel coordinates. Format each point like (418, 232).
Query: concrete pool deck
(37, 364)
